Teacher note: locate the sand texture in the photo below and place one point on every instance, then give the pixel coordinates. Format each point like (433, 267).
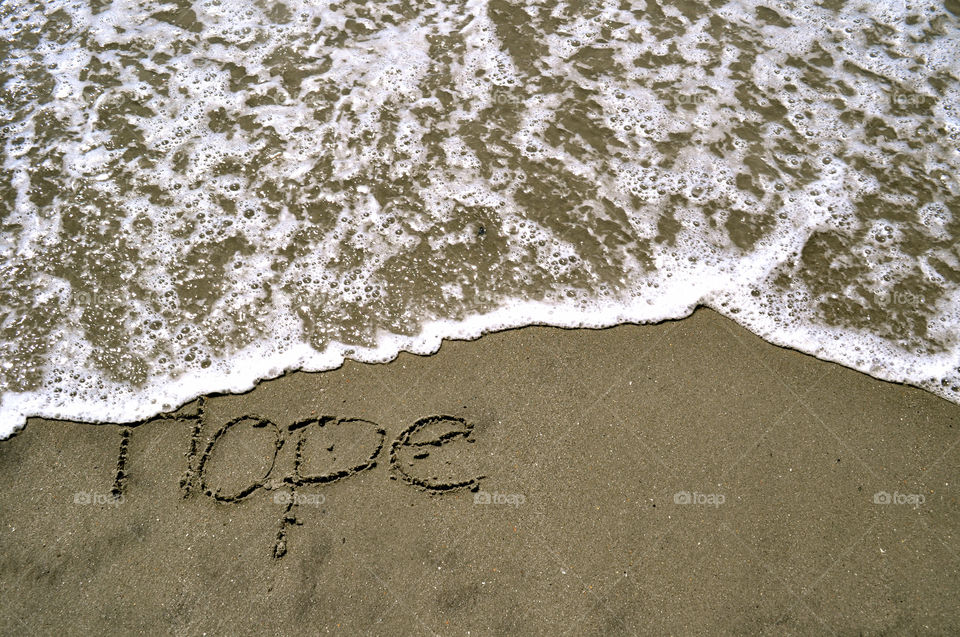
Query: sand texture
(684, 478)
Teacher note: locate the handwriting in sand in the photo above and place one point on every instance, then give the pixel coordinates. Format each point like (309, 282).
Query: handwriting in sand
(290, 478)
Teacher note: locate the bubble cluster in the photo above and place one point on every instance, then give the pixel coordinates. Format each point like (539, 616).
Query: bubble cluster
(196, 196)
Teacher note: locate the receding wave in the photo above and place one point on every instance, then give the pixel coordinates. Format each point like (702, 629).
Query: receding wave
(198, 195)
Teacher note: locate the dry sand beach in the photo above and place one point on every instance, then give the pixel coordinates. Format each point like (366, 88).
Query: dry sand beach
(682, 478)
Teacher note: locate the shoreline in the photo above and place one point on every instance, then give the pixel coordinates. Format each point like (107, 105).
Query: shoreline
(429, 343)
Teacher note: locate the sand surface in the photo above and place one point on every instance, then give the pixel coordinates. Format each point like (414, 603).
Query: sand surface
(682, 478)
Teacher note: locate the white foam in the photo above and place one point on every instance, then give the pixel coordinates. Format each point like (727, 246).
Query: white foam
(652, 235)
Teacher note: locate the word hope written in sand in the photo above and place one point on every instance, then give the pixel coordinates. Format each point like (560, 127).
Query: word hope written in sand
(251, 453)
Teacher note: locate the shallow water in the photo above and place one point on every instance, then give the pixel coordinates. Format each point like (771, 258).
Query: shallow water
(199, 195)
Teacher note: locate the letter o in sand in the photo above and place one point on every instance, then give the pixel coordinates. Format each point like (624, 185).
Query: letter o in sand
(241, 440)
(317, 426)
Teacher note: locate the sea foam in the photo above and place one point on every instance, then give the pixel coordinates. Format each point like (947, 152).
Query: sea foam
(198, 196)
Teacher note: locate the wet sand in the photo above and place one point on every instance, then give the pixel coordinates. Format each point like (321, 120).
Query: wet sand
(681, 478)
